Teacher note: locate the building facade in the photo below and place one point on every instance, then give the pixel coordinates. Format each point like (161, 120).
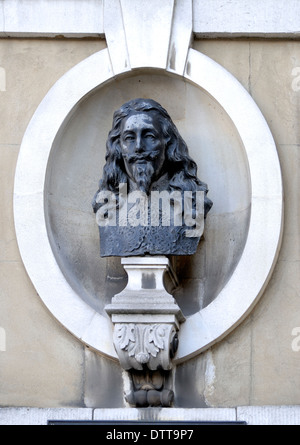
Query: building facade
(251, 371)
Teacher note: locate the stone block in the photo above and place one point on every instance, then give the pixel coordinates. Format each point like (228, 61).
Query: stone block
(269, 415)
(233, 55)
(289, 156)
(142, 18)
(103, 383)
(2, 34)
(70, 19)
(235, 19)
(274, 362)
(8, 245)
(271, 85)
(43, 364)
(40, 416)
(25, 60)
(166, 414)
(232, 362)
(191, 381)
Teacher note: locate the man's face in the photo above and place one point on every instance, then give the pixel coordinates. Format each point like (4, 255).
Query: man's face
(143, 149)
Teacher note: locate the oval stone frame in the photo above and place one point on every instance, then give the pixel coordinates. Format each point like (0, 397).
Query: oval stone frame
(258, 259)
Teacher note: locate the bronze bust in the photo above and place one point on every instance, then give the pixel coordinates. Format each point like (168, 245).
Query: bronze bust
(150, 200)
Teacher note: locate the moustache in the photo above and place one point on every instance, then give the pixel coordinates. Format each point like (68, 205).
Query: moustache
(146, 157)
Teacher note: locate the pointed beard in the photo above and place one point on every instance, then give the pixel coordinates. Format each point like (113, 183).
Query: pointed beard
(143, 175)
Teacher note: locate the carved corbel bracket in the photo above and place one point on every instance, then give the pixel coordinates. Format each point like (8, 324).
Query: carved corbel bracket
(143, 344)
(146, 321)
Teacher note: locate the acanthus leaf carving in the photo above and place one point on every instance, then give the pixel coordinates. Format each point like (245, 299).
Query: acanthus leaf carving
(142, 343)
(155, 341)
(125, 335)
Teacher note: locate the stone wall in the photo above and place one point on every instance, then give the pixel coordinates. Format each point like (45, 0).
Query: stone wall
(41, 364)
(258, 364)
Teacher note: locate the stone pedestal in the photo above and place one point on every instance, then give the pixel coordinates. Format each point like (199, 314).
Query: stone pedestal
(146, 320)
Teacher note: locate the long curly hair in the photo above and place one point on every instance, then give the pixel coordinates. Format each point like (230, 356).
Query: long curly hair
(181, 168)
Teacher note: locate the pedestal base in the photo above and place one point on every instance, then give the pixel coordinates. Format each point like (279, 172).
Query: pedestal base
(146, 320)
